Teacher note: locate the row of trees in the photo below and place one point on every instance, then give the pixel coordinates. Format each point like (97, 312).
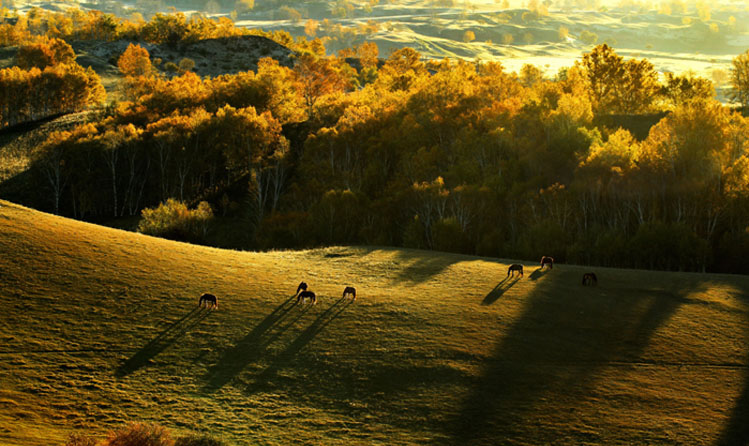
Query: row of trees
(41, 25)
(46, 81)
(446, 155)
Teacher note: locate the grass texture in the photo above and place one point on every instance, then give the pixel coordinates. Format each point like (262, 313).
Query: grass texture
(100, 327)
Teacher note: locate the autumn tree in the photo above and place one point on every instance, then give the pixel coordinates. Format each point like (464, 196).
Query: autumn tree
(320, 76)
(166, 28)
(253, 145)
(617, 86)
(41, 55)
(638, 88)
(135, 61)
(401, 69)
(679, 89)
(740, 79)
(280, 92)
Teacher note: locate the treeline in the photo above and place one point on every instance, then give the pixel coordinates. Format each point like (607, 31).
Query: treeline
(46, 81)
(447, 155)
(40, 25)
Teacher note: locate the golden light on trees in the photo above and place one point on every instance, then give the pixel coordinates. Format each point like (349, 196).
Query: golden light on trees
(740, 79)
(135, 61)
(310, 27)
(469, 36)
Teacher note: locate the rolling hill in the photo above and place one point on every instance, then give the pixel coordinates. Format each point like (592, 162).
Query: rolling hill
(100, 327)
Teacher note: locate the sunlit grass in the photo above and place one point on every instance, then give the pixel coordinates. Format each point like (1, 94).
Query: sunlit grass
(100, 327)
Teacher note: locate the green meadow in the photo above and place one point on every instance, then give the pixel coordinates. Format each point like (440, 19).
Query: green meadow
(100, 327)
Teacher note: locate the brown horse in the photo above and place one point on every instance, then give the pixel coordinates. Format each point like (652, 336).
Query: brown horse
(547, 261)
(515, 267)
(350, 290)
(302, 287)
(301, 297)
(208, 298)
(590, 279)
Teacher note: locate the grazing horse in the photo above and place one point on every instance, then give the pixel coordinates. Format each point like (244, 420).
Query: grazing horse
(547, 261)
(306, 295)
(302, 287)
(350, 290)
(590, 279)
(208, 298)
(515, 267)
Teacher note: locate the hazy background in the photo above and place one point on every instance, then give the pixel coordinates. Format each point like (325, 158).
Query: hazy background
(676, 36)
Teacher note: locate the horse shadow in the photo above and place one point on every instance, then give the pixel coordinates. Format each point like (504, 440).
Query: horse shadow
(252, 346)
(500, 289)
(163, 340)
(304, 338)
(538, 273)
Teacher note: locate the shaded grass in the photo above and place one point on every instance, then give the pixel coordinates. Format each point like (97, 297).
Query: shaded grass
(100, 327)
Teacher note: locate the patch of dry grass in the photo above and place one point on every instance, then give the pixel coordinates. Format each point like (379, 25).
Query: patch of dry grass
(100, 327)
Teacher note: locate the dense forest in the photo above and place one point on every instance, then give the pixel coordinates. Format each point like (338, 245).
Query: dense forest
(448, 155)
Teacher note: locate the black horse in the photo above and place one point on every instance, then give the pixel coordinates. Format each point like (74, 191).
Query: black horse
(515, 267)
(306, 295)
(302, 287)
(208, 298)
(590, 279)
(350, 290)
(547, 261)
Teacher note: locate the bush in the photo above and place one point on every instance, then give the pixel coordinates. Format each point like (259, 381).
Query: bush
(140, 434)
(588, 37)
(144, 434)
(449, 237)
(173, 220)
(198, 440)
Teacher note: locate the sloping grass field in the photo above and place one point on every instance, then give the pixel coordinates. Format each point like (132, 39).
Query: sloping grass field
(100, 327)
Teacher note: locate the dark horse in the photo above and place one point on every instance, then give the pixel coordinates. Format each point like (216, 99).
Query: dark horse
(306, 295)
(208, 298)
(302, 287)
(515, 267)
(547, 261)
(590, 279)
(350, 290)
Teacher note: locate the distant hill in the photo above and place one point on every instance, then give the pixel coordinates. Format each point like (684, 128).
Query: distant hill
(212, 57)
(100, 327)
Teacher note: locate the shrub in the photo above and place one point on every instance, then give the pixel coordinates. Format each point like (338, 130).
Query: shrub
(198, 440)
(588, 37)
(186, 64)
(140, 434)
(449, 237)
(173, 220)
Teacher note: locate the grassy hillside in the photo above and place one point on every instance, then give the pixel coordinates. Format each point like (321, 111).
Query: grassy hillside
(100, 327)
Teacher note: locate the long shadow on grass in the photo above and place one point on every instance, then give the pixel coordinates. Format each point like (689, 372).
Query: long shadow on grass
(162, 341)
(538, 273)
(252, 346)
(556, 349)
(296, 346)
(423, 265)
(736, 431)
(500, 289)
